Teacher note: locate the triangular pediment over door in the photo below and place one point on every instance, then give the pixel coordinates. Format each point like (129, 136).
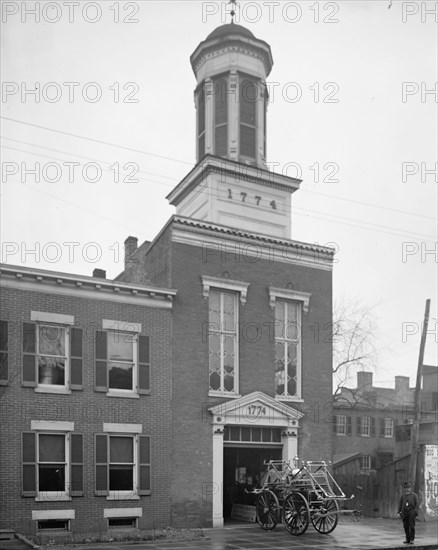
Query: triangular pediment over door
(255, 409)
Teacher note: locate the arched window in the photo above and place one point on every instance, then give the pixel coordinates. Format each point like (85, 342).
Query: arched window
(220, 117)
(201, 122)
(248, 97)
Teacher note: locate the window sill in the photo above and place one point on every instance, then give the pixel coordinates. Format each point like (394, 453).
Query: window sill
(115, 393)
(54, 498)
(342, 435)
(289, 398)
(224, 394)
(122, 496)
(48, 389)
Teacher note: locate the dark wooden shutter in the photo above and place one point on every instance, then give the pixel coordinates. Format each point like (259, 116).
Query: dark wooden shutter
(143, 364)
(29, 370)
(335, 418)
(101, 364)
(144, 465)
(3, 353)
(349, 427)
(76, 345)
(28, 463)
(382, 427)
(101, 462)
(372, 426)
(359, 425)
(373, 462)
(77, 465)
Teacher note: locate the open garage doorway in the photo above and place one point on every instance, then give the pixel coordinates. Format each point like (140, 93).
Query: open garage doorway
(243, 467)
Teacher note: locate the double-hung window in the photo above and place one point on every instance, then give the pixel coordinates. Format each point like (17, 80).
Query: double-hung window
(365, 426)
(122, 464)
(389, 427)
(287, 348)
(52, 461)
(365, 462)
(122, 360)
(341, 424)
(52, 353)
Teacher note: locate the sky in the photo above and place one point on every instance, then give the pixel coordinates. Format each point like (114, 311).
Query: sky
(111, 130)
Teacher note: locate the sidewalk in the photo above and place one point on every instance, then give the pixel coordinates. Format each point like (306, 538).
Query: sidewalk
(366, 534)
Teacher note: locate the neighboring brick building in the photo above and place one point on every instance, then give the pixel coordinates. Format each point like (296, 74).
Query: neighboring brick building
(252, 358)
(369, 419)
(85, 384)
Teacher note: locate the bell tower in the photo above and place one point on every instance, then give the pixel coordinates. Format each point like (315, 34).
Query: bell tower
(231, 66)
(231, 184)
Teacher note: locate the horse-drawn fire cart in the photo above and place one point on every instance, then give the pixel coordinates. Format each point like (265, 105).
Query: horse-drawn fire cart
(298, 496)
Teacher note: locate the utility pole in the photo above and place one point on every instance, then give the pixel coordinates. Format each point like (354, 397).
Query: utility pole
(416, 425)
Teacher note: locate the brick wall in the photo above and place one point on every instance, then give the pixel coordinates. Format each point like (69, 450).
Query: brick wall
(191, 426)
(88, 409)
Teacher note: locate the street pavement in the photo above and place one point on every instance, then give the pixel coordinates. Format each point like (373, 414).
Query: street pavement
(365, 534)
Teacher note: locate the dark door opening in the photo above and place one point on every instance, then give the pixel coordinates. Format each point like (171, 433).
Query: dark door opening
(243, 467)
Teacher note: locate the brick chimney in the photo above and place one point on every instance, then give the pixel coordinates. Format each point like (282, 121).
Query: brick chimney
(402, 383)
(364, 380)
(99, 273)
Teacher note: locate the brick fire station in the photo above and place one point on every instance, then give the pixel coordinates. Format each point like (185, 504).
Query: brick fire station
(153, 404)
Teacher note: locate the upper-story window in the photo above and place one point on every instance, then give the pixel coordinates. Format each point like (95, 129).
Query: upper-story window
(223, 345)
(201, 122)
(52, 354)
(248, 100)
(220, 93)
(365, 426)
(341, 424)
(389, 427)
(287, 348)
(122, 360)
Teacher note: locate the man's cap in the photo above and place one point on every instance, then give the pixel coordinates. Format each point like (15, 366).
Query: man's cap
(407, 485)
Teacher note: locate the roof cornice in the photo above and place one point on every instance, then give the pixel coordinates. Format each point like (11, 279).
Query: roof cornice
(54, 282)
(211, 164)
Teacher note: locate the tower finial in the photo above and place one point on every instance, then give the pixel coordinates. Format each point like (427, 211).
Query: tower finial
(232, 12)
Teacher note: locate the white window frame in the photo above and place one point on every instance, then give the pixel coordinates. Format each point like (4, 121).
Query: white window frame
(365, 462)
(365, 426)
(53, 388)
(120, 392)
(129, 494)
(286, 341)
(341, 424)
(54, 495)
(389, 427)
(222, 332)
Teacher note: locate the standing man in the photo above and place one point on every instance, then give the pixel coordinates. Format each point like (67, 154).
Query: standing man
(408, 511)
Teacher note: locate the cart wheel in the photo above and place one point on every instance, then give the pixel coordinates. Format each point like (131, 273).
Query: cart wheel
(267, 510)
(296, 513)
(325, 517)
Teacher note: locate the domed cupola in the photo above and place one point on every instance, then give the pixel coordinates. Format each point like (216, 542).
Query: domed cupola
(231, 98)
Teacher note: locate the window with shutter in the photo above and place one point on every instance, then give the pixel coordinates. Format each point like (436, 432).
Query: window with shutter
(122, 363)
(52, 465)
(52, 357)
(3, 353)
(123, 465)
